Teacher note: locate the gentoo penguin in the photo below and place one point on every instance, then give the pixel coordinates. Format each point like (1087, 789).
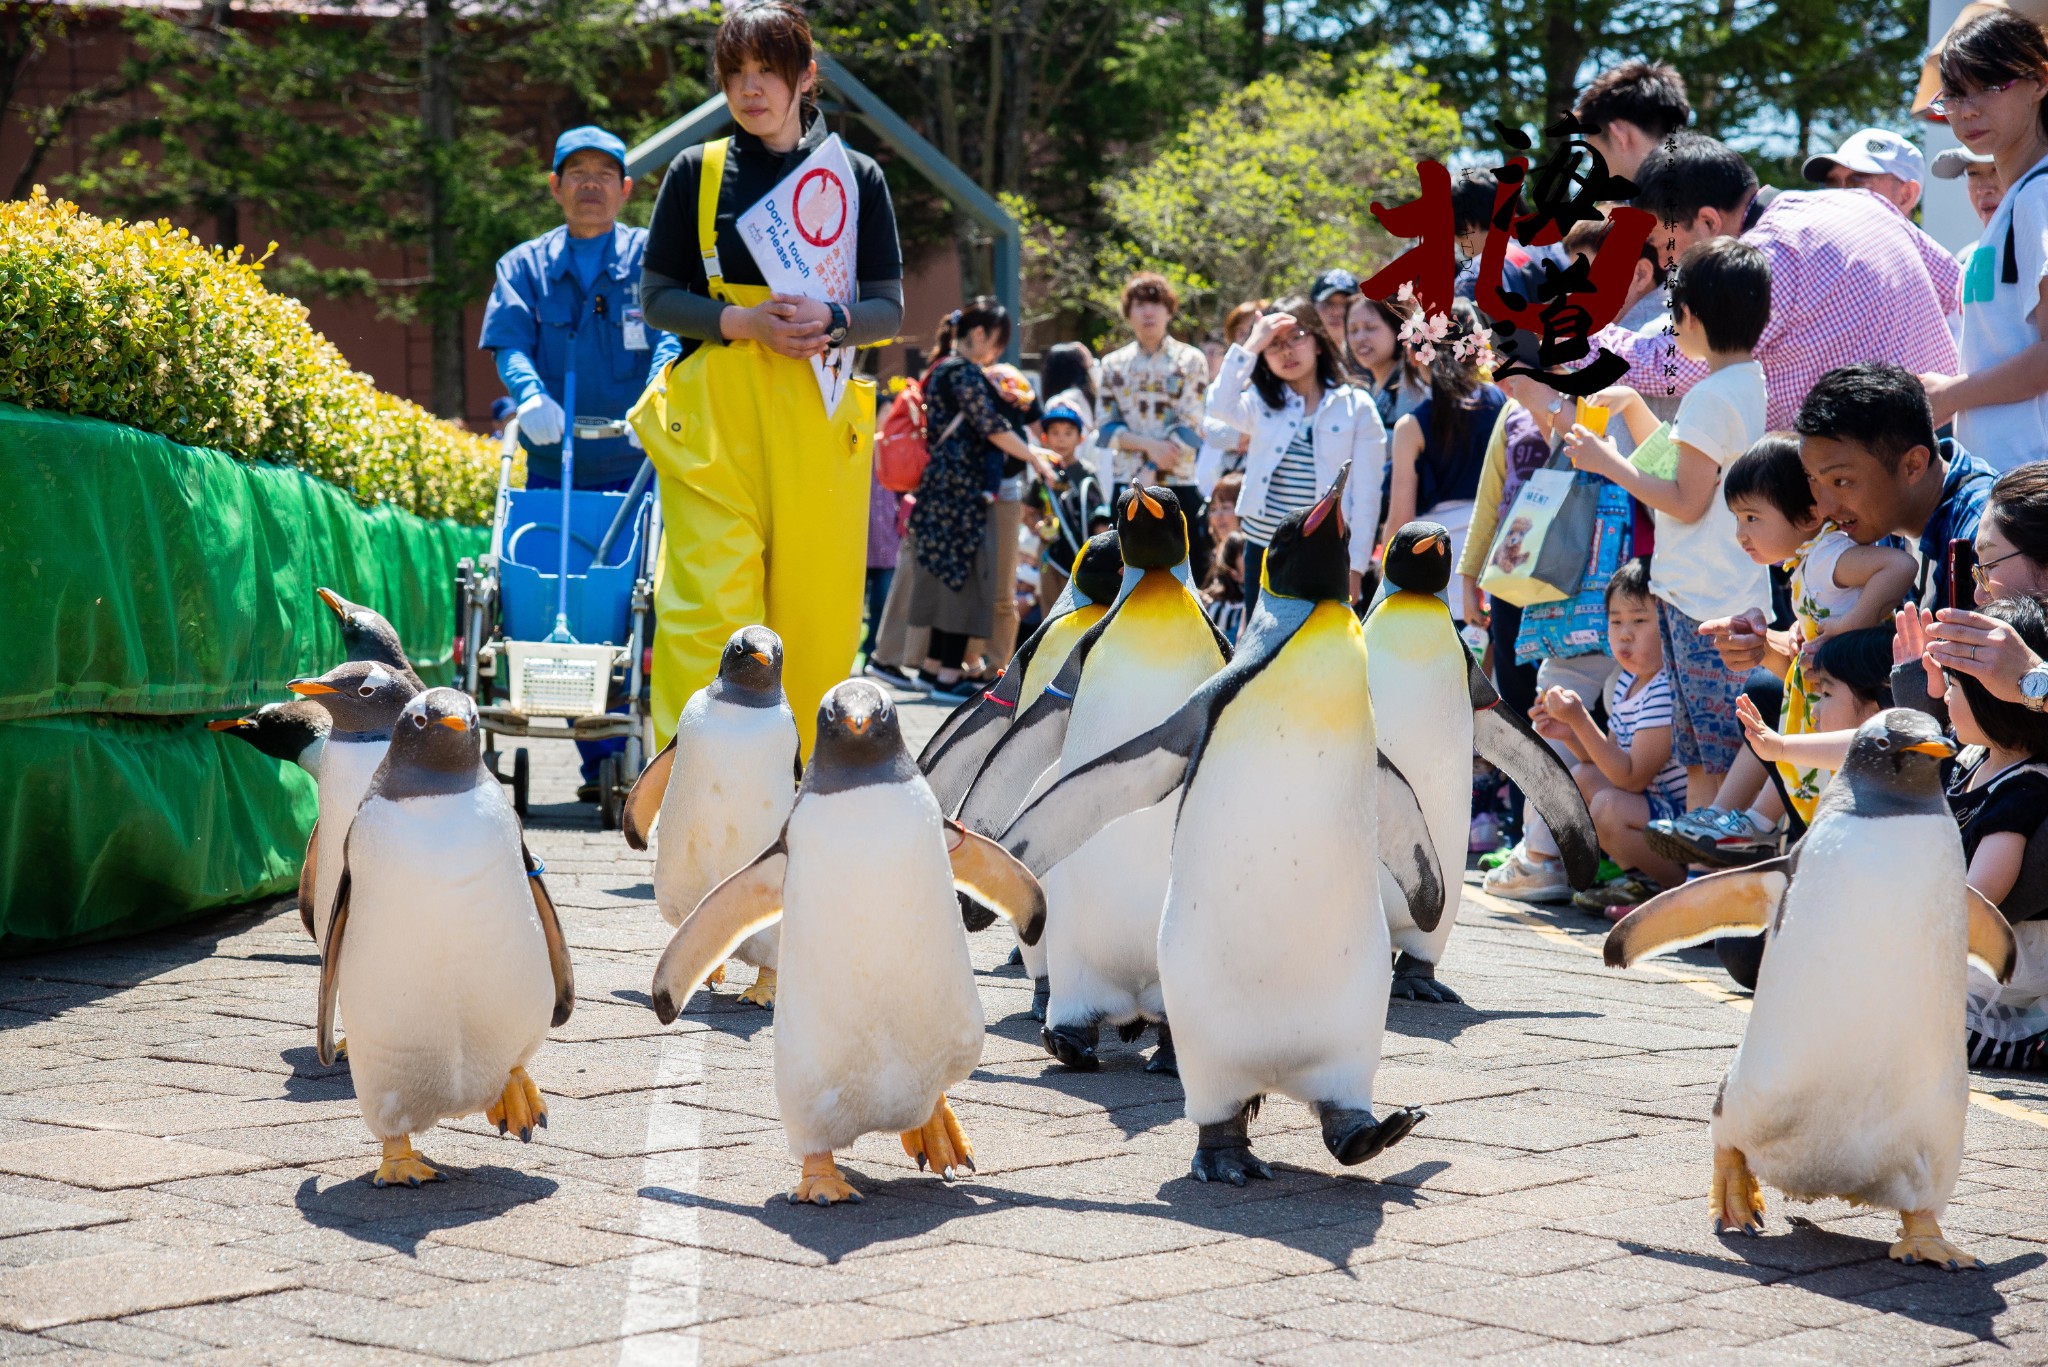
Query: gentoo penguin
(364, 699)
(1850, 1080)
(723, 787)
(1273, 950)
(1126, 674)
(443, 950)
(295, 731)
(957, 752)
(1434, 703)
(877, 1013)
(366, 635)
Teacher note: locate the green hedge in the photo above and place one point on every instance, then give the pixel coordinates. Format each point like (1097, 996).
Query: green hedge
(142, 324)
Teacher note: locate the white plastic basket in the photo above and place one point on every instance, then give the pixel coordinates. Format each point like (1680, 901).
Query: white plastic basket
(559, 680)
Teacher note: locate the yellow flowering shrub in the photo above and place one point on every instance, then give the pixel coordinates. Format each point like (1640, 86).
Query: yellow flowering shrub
(142, 324)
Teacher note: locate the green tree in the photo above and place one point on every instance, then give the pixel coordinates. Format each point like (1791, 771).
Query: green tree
(1256, 195)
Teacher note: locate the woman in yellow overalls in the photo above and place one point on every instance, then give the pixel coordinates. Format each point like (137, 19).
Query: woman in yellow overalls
(764, 495)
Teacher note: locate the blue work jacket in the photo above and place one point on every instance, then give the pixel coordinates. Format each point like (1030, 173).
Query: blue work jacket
(539, 307)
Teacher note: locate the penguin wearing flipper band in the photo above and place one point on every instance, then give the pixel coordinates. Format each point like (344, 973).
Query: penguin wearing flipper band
(1435, 705)
(1273, 952)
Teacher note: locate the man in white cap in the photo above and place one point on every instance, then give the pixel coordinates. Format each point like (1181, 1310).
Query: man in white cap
(1877, 160)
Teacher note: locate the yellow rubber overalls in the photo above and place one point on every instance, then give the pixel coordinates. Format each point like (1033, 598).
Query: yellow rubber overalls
(764, 499)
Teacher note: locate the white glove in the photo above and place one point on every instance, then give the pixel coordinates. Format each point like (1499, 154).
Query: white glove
(633, 438)
(541, 420)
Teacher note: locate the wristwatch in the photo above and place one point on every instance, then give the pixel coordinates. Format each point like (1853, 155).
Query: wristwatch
(2034, 687)
(835, 330)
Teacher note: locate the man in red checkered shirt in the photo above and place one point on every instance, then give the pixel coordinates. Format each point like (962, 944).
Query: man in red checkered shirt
(1852, 279)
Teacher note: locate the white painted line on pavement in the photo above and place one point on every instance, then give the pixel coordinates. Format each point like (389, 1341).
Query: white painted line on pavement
(669, 1278)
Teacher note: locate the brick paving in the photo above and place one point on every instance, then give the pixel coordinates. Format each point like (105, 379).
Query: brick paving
(181, 1179)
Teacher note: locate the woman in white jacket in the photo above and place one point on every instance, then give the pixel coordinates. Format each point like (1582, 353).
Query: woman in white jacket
(1285, 389)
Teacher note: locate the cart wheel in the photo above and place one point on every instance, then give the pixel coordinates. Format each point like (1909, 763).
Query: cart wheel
(521, 772)
(608, 792)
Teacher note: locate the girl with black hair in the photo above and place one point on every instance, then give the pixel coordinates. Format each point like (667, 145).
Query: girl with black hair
(1285, 388)
(1439, 449)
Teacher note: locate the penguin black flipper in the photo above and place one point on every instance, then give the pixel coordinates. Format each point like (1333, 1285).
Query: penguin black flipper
(1503, 738)
(1992, 947)
(1031, 745)
(1406, 849)
(972, 729)
(1142, 772)
(992, 876)
(309, 873)
(643, 799)
(551, 929)
(1732, 902)
(748, 901)
(330, 966)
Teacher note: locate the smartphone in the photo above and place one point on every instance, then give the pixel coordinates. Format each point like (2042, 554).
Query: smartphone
(1962, 574)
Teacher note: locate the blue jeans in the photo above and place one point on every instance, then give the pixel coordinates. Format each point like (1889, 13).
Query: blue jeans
(592, 751)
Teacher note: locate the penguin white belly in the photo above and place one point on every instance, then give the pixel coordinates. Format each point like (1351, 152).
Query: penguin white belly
(444, 970)
(876, 1013)
(346, 768)
(1851, 1079)
(1422, 703)
(730, 787)
(1273, 950)
(1103, 901)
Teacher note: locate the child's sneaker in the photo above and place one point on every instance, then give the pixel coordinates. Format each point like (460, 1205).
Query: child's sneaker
(1711, 836)
(1626, 891)
(1522, 878)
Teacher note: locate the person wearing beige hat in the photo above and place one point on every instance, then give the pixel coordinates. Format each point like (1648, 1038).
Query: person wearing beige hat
(1877, 160)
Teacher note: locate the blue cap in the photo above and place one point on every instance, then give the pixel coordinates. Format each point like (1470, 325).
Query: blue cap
(590, 136)
(1064, 413)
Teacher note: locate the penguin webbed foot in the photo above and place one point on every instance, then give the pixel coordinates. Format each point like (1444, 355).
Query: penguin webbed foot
(1130, 1030)
(1073, 1045)
(1353, 1136)
(341, 1051)
(715, 977)
(940, 1144)
(1737, 1199)
(402, 1166)
(821, 1184)
(1223, 1151)
(1921, 1241)
(1164, 1060)
(1016, 959)
(1415, 980)
(519, 1108)
(1041, 997)
(762, 992)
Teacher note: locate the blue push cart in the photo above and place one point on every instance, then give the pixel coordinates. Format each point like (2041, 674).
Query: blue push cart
(554, 629)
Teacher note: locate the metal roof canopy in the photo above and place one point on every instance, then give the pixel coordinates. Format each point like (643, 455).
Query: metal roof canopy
(710, 117)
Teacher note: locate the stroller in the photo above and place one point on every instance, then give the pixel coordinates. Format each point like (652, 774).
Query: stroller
(554, 630)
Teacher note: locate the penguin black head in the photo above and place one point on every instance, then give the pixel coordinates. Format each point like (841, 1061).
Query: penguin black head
(365, 633)
(1099, 568)
(1310, 553)
(362, 695)
(1419, 558)
(281, 730)
(860, 741)
(1152, 531)
(437, 746)
(750, 671)
(1894, 764)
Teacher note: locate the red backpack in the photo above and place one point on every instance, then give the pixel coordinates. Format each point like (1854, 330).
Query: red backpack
(901, 448)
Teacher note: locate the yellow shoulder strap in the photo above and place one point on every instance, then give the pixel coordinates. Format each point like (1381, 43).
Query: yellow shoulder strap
(709, 181)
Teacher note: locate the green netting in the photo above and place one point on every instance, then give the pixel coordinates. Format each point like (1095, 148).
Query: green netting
(110, 825)
(146, 586)
(141, 576)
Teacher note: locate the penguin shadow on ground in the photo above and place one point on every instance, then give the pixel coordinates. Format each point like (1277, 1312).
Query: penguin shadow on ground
(42, 986)
(312, 1080)
(399, 1218)
(1445, 1021)
(634, 892)
(721, 1010)
(1968, 1302)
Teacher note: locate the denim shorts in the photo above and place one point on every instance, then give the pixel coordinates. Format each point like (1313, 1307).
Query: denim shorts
(1704, 728)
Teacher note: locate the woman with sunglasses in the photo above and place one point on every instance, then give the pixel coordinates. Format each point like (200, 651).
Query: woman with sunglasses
(1284, 387)
(1994, 78)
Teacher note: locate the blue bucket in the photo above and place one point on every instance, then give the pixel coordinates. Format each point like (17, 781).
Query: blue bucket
(600, 596)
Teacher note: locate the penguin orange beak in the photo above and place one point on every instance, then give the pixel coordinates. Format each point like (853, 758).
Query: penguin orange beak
(1324, 507)
(760, 655)
(228, 724)
(453, 723)
(1432, 541)
(1940, 749)
(309, 688)
(333, 601)
(859, 725)
(1152, 506)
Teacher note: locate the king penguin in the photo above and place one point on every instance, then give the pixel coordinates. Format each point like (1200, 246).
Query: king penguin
(364, 699)
(1435, 705)
(1124, 676)
(1851, 1079)
(443, 948)
(723, 787)
(1273, 950)
(367, 635)
(876, 1015)
(295, 731)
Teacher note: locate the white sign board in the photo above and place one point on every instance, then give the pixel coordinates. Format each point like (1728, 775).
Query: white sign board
(802, 234)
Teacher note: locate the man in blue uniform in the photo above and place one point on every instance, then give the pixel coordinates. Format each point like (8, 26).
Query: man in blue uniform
(576, 290)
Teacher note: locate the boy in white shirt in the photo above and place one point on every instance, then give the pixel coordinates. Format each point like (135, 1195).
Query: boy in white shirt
(1720, 302)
